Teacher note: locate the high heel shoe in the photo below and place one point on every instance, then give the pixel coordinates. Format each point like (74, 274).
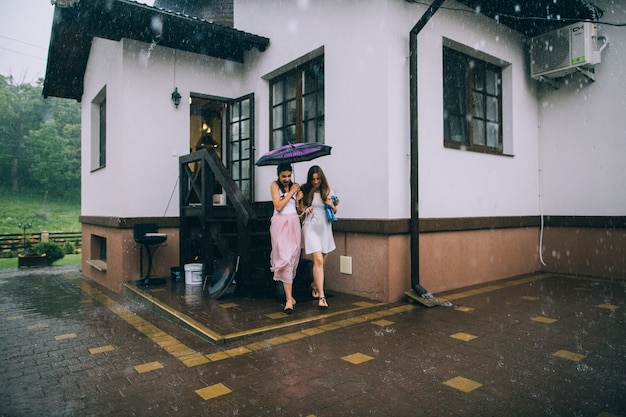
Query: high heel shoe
(314, 292)
(287, 309)
(322, 304)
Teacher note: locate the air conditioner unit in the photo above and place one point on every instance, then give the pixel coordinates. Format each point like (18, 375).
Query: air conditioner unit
(566, 50)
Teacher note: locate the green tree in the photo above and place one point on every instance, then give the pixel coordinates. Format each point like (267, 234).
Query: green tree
(22, 108)
(40, 140)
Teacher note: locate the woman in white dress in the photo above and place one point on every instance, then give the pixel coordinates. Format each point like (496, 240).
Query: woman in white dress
(316, 229)
(285, 232)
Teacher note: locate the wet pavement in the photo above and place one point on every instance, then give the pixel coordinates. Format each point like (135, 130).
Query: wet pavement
(540, 345)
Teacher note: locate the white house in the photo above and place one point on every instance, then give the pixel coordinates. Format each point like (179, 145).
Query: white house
(453, 164)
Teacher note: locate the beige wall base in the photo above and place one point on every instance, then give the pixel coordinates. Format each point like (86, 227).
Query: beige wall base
(451, 260)
(585, 251)
(122, 262)
(381, 265)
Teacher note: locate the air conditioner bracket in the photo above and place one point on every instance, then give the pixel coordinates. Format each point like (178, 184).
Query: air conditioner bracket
(589, 73)
(554, 83)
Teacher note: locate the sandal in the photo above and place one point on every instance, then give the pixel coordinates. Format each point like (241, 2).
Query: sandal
(287, 309)
(323, 304)
(314, 292)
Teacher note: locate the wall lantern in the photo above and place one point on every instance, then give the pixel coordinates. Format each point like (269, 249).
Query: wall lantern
(176, 97)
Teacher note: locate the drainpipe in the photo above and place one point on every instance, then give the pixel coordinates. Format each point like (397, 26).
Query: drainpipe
(415, 285)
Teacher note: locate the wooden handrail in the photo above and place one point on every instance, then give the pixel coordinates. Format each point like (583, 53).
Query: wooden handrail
(209, 157)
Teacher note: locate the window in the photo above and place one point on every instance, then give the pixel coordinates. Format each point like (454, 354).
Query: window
(98, 258)
(99, 130)
(472, 100)
(241, 144)
(297, 100)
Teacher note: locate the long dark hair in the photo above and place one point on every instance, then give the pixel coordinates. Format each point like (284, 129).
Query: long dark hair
(307, 188)
(280, 168)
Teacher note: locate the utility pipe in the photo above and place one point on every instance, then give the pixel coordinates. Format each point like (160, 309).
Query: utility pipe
(413, 86)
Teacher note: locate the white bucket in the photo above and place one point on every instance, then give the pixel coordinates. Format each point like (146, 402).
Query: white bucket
(193, 274)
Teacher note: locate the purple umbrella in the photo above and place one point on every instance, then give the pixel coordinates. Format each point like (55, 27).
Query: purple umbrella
(294, 152)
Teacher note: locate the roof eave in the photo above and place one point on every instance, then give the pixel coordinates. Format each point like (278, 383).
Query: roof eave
(74, 29)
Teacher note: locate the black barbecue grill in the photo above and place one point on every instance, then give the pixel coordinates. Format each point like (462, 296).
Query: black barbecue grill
(147, 235)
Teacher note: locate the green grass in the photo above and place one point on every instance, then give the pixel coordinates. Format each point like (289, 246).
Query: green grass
(50, 214)
(74, 259)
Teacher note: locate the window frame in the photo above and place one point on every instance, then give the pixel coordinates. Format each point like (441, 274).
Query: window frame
(470, 65)
(297, 121)
(98, 130)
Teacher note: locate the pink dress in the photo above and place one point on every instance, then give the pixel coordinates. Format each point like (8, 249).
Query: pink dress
(286, 238)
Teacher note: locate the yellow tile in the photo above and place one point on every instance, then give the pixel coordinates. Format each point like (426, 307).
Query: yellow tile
(357, 358)
(311, 332)
(258, 346)
(529, 298)
(404, 308)
(213, 391)
(329, 326)
(157, 290)
(358, 319)
(605, 414)
(295, 336)
(277, 340)
(607, 306)
(217, 356)
(542, 319)
(175, 349)
(463, 336)
(344, 323)
(147, 367)
(37, 326)
(464, 309)
(565, 354)
(463, 384)
(275, 316)
(195, 361)
(65, 336)
(229, 305)
(363, 304)
(101, 349)
(383, 323)
(238, 351)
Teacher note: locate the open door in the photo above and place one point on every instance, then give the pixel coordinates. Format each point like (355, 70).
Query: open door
(227, 126)
(241, 144)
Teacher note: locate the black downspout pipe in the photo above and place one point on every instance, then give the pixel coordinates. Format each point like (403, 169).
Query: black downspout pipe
(413, 85)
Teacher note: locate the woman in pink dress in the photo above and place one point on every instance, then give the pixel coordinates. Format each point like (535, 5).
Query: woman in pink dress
(285, 232)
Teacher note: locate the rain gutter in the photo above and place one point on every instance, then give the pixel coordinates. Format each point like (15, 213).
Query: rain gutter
(415, 281)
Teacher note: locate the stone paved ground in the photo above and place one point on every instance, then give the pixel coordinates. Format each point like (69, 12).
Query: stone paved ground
(545, 345)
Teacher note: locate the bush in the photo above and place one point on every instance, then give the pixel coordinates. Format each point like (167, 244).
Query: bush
(53, 251)
(68, 248)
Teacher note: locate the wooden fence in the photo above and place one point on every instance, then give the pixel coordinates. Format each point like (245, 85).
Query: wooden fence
(15, 242)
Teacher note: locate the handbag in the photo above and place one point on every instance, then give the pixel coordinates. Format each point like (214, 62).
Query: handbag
(330, 214)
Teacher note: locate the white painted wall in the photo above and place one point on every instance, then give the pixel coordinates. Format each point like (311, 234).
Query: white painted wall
(366, 44)
(583, 132)
(145, 132)
(367, 107)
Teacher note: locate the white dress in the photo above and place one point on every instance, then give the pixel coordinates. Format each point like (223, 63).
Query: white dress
(317, 230)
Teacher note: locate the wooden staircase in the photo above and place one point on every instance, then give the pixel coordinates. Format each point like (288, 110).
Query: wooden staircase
(210, 232)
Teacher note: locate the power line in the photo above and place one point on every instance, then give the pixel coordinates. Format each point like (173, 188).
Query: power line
(25, 43)
(22, 53)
